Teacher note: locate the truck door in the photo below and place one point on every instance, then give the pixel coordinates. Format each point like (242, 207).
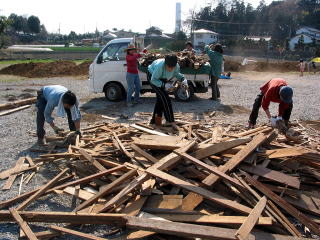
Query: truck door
(110, 66)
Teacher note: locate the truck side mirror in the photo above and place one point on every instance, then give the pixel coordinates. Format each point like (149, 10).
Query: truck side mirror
(100, 58)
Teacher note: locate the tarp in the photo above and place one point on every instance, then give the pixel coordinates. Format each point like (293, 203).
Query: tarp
(204, 69)
(317, 60)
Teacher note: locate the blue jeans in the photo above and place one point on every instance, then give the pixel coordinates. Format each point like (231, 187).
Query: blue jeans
(133, 83)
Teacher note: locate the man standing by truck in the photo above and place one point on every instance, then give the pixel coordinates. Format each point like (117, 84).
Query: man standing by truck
(67, 104)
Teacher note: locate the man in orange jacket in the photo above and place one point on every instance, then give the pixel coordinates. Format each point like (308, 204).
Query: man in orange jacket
(276, 90)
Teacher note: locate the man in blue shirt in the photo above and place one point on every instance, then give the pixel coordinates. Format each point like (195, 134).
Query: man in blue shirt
(160, 73)
(67, 104)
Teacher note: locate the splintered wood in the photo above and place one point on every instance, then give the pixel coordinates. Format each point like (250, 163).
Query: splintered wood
(190, 180)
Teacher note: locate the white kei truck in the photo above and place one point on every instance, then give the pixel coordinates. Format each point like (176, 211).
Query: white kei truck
(107, 73)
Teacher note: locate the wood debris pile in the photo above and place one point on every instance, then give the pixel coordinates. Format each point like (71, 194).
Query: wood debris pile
(185, 59)
(190, 180)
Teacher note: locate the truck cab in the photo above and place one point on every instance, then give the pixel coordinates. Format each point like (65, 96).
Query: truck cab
(107, 74)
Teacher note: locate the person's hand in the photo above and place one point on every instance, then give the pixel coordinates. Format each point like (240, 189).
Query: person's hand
(57, 130)
(273, 122)
(169, 87)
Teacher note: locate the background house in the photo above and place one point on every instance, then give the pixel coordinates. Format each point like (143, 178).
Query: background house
(305, 35)
(204, 37)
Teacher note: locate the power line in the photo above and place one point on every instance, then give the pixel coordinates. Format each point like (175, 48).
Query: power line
(236, 23)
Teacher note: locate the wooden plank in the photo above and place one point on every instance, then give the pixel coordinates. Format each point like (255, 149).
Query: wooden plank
(237, 159)
(218, 147)
(7, 173)
(251, 220)
(133, 208)
(12, 177)
(122, 148)
(159, 142)
(79, 193)
(144, 153)
(23, 224)
(107, 189)
(212, 219)
(14, 110)
(42, 190)
(148, 130)
(191, 201)
(124, 192)
(197, 231)
(17, 103)
(94, 162)
(211, 169)
(66, 217)
(76, 233)
(285, 205)
(272, 175)
(214, 197)
(42, 235)
(286, 152)
(164, 202)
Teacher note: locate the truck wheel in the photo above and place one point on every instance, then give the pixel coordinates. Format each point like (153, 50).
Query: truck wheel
(113, 92)
(181, 95)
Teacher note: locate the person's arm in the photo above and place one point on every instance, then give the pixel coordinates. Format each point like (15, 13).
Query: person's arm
(49, 119)
(156, 75)
(282, 107)
(265, 104)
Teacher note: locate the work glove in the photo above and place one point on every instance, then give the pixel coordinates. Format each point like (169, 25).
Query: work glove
(185, 83)
(279, 118)
(57, 130)
(169, 87)
(273, 122)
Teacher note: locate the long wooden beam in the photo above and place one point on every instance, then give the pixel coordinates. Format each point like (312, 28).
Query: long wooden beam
(66, 217)
(76, 233)
(23, 224)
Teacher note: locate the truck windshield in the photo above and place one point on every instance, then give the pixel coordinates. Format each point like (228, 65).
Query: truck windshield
(114, 52)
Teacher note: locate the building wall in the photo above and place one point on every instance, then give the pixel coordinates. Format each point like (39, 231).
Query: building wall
(202, 39)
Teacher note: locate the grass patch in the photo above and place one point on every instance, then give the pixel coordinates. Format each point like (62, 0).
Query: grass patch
(76, 49)
(10, 62)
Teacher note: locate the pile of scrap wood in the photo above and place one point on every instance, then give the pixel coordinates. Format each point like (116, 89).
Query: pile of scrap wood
(186, 59)
(189, 180)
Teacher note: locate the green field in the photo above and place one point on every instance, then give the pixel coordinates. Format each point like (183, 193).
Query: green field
(10, 62)
(76, 49)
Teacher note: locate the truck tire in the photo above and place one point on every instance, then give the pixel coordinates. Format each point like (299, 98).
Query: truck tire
(113, 92)
(181, 96)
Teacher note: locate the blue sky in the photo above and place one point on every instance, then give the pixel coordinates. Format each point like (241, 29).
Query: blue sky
(84, 16)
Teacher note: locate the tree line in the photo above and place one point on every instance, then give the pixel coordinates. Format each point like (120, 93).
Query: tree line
(279, 19)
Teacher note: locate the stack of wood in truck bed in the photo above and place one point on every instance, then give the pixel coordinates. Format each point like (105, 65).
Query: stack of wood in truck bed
(186, 181)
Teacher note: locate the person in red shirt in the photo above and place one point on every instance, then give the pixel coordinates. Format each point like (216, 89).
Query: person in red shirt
(276, 90)
(133, 80)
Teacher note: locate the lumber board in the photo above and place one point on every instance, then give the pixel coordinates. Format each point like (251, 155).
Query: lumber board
(144, 153)
(286, 152)
(42, 190)
(107, 189)
(138, 181)
(155, 142)
(285, 205)
(237, 158)
(133, 208)
(148, 130)
(23, 224)
(214, 197)
(3, 113)
(65, 217)
(122, 148)
(12, 177)
(187, 230)
(214, 219)
(18, 103)
(191, 201)
(307, 203)
(211, 169)
(164, 202)
(251, 220)
(272, 175)
(215, 148)
(5, 174)
(75, 233)
(42, 235)
(79, 193)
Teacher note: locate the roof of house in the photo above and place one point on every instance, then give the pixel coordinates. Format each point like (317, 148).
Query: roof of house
(205, 31)
(310, 29)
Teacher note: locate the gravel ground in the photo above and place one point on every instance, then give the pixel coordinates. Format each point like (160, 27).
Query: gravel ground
(237, 96)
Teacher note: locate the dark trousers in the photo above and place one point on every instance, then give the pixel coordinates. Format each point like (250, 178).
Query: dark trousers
(256, 106)
(41, 106)
(163, 105)
(214, 87)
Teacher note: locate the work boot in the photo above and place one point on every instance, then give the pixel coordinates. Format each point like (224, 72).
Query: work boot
(250, 126)
(41, 141)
